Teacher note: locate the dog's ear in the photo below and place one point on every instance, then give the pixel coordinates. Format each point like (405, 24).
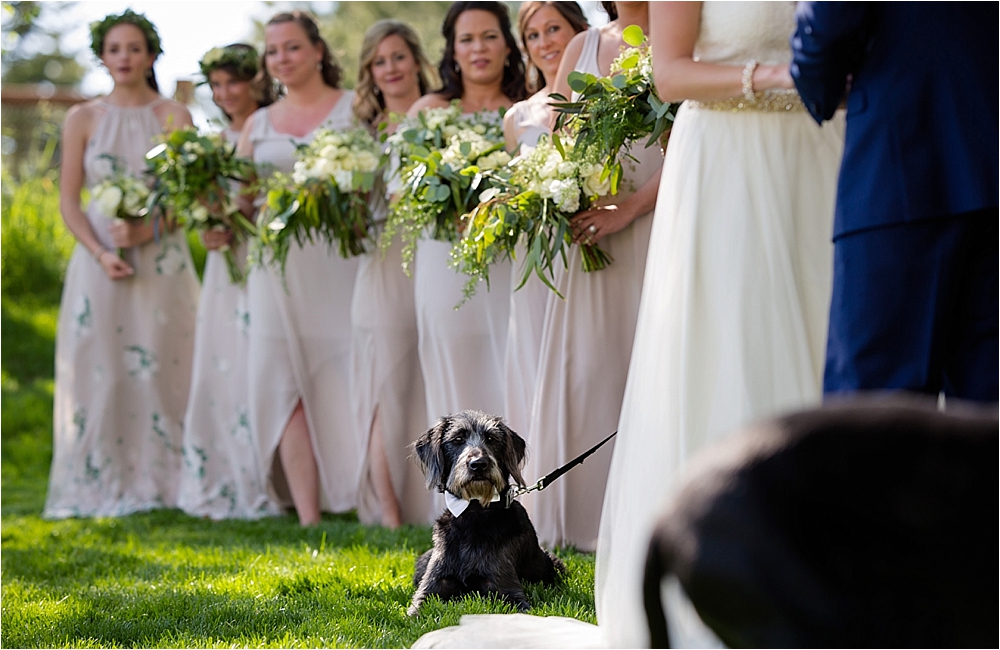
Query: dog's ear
(513, 454)
(430, 454)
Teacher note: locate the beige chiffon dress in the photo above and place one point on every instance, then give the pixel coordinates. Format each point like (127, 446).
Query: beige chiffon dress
(461, 350)
(386, 377)
(527, 304)
(583, 363)
(123, 352)
(300, 341)
(221, 474)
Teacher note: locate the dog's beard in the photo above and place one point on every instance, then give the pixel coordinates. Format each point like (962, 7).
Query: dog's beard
(463, 485)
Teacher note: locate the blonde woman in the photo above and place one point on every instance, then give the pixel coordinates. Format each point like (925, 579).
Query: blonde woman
(387, 388)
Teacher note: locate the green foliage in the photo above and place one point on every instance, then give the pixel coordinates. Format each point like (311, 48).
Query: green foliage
(194, 176)
(36, 244)
(610, 113)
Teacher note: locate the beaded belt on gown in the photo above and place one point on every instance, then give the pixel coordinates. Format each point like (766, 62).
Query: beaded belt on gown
(785, 101)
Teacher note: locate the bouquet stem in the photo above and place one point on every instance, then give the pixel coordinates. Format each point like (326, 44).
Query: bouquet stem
(593, 258)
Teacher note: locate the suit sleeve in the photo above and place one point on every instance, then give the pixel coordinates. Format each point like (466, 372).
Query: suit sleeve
(829, 43)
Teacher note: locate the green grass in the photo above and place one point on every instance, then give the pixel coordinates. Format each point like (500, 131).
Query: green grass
(164, 579)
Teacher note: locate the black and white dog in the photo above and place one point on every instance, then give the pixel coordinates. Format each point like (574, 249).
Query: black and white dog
(480, 544)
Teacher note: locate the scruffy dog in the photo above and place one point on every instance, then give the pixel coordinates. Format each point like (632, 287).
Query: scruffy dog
(480, 545)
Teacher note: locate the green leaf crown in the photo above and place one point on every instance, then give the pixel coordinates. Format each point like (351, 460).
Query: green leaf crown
(244, 60)
(99, 30)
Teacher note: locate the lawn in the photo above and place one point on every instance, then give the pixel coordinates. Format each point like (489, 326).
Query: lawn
(164, 579)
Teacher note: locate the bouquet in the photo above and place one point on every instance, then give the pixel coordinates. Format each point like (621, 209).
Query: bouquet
(535, 197)
(612, 112)
(120, 196)
(326, 196)
(194, 174)
(443, 156)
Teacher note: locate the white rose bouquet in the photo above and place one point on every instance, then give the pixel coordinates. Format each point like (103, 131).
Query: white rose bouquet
(613, 112)
(195, 176)
(534, 198)
(120, 196)
(326, 196)
(443, 157)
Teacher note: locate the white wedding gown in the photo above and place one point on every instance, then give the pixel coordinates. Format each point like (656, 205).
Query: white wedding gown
(732, 322)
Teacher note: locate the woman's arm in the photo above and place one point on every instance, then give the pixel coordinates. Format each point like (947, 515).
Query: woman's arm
(75, 133)
(674, 28)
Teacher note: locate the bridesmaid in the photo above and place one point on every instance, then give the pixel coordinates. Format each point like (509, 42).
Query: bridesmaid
(546, 29)
(387, 388)
(220, 477)
(587, 338)
(300, 332)
(126, 324)
(461, 351)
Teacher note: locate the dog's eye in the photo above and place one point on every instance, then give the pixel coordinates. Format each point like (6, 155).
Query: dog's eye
(457, 440)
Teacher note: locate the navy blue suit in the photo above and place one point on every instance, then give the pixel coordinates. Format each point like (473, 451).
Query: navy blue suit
(915, 232)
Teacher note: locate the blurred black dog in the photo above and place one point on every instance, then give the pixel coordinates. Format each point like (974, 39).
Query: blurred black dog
(870, 523)
(480, 544)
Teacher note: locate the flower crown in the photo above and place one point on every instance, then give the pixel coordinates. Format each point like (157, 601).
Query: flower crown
(99, 30)
(243, 59)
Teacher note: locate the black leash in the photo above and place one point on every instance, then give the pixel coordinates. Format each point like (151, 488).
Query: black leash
(549, 478)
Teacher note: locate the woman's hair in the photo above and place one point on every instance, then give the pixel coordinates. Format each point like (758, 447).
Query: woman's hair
(368, 100)
(99, 31)
(512, 84)
(571, 11)
(330, 70)
(610, 9)
(241, 61)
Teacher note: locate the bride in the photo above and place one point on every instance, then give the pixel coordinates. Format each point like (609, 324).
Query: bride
(733, 316)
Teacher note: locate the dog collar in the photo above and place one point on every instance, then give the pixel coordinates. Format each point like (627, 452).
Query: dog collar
(457, 505)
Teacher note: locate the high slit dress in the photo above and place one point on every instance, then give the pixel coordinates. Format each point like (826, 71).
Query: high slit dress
(300, 341)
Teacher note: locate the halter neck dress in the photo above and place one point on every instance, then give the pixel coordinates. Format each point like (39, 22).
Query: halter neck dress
(123, 351)
(221, 475)
(300, 340)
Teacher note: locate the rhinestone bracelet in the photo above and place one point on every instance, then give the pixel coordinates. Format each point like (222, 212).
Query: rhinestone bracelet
(748, 71)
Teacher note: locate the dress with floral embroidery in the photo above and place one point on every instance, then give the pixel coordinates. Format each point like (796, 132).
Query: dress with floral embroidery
(123, 353)
(221, 475)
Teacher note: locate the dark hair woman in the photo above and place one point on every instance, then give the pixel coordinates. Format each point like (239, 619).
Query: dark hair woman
(461, 351)
(126, 323)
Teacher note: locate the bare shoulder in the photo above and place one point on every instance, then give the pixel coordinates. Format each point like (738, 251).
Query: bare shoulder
(172, 115)
(81, 119)
(431, 100)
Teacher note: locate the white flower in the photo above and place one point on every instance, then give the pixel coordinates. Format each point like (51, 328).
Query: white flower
(566, 195)
(107, 198)
(594, 186)
(480, 129)
(344, 180)
(566, 168)
(496, 159)
(550, 167)
(199, 213)
(449, 131)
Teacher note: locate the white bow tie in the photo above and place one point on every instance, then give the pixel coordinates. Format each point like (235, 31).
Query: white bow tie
(457, 505)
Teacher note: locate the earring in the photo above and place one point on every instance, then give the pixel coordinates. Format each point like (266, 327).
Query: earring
(378, 91)
(319, 66)
(458, 70)
(506, 62)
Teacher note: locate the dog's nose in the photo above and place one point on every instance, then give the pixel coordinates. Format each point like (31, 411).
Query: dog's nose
(478, 464)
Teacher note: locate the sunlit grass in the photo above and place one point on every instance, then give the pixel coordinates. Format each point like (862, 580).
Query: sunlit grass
(164, 579)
